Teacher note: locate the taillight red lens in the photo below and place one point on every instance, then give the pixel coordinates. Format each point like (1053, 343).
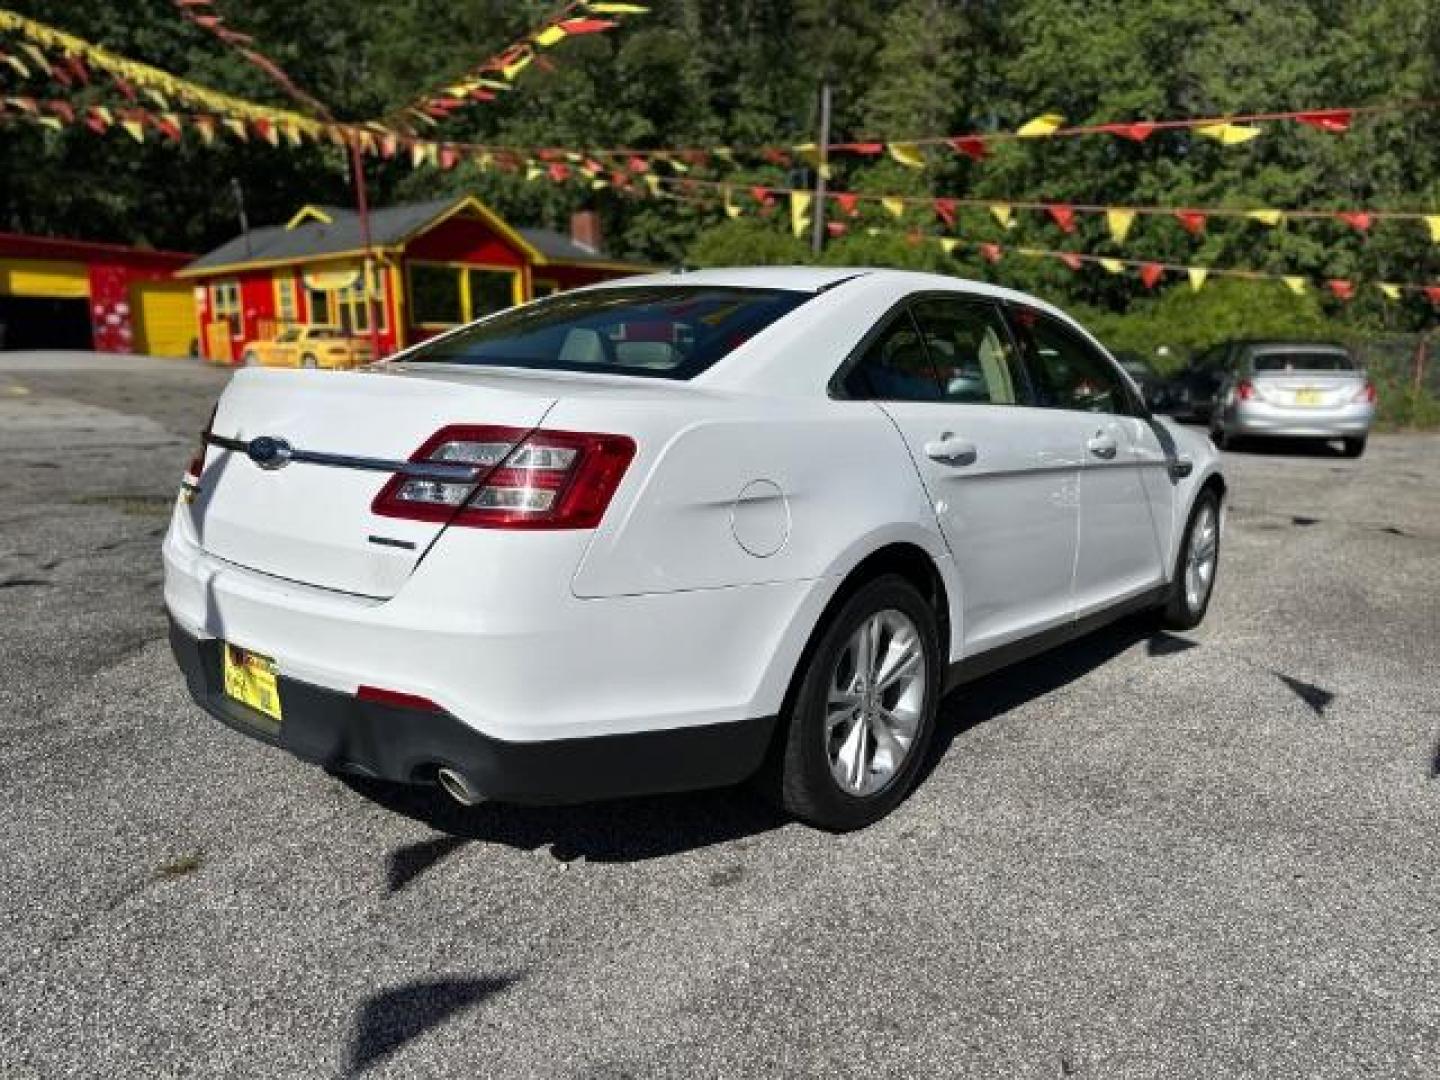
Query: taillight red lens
(197, 463)
(1244, 390)
(1366, 393)
(523, 479)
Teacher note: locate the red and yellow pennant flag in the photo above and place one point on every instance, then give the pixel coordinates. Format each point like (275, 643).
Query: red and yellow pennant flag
(908, 154)
(1041, 126)
(1228, 134)
(1120, 220)
(1063, 215)
(1151, 273)
(1193, 221)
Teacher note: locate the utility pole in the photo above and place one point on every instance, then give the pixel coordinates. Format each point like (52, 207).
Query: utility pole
(369, 273)
(239, 193)
(817, 210)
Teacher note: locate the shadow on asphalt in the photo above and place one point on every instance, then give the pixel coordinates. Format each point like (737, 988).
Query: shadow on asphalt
(620, 830)
(1279, 446)
(632, 830)
(391, 1018)
(1009, 688)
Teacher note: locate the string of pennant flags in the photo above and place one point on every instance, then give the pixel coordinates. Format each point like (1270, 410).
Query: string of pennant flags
(1150, 272)
(497, 73)
(483, 82)
(183, 106)
(564, 166)
(1119, 219)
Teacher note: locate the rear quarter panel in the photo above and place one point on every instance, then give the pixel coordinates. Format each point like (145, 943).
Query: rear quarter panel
(752, 491)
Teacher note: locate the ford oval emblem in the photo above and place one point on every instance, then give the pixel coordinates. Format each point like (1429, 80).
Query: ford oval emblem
(270, 453)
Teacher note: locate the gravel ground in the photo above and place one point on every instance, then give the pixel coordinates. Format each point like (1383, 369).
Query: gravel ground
(1180, 856)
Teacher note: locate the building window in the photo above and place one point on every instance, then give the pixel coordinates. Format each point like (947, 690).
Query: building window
(435, 294)
(490, 291)
(225, 304)
(443, 295)
(320, 314)
(285, 306)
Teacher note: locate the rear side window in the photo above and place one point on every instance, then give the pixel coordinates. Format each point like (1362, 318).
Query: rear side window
(666, 332)
(1301, 360)
(895, 366)
(1069, 373)
(971, 351)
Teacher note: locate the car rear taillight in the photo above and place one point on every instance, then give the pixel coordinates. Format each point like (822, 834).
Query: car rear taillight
(1366, 393)
(197, 463)
(1244, 390)
(521, 479)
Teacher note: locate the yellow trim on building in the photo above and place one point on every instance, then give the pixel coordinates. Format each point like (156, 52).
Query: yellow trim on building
(309, 212)
(44, 277)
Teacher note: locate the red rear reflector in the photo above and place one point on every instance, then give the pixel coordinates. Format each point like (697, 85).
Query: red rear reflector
(522, 479)
(197, 463)
(1244, 390)
(1366, 394)
(396, 699)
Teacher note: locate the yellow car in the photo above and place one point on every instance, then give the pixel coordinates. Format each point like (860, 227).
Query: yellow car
(309, 346)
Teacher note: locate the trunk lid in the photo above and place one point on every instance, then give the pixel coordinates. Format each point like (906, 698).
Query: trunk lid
(312, 523)
(1308, 389)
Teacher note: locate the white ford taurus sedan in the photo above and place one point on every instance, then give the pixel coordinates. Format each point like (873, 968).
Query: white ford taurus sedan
(677, 531)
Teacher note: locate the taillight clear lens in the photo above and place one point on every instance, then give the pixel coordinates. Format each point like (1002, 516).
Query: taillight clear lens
(523, 479)
(1366, 393)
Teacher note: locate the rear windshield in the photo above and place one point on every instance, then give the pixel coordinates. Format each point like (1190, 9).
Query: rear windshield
(1299, 360)
(666, 332)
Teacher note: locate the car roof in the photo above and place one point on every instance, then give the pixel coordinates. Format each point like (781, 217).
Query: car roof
(823, 278)
(1270, 345)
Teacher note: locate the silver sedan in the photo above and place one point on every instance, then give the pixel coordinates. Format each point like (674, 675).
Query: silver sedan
(1294, 390)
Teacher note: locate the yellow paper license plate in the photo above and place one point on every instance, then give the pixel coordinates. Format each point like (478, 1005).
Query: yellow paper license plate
(1307, 397)
(250, 679)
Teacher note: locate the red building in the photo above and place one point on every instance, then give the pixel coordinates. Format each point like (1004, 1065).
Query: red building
(73, 294)
(434, 265)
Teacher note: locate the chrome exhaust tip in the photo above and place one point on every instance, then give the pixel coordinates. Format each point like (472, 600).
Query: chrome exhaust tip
(458, 787)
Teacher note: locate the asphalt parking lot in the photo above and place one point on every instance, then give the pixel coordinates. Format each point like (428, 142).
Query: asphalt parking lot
(1170, 856)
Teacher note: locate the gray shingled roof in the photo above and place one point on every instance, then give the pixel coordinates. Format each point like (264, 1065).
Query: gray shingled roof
(388, 226)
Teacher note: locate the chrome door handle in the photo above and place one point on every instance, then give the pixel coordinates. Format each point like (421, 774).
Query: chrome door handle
(948, 450)
(1102, 446)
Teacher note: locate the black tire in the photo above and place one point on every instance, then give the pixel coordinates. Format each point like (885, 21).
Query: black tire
(1354, 447)
(1179, 613)
(801, 780)
(1221, 438)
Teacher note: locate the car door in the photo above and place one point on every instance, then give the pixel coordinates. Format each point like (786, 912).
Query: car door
(1119, 553)
(1002, 477)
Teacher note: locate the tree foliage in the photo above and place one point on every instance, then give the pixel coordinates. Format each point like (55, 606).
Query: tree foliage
(745, 72)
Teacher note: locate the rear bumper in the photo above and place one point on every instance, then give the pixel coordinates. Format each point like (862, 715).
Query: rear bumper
(339, 731)
(1257, 418)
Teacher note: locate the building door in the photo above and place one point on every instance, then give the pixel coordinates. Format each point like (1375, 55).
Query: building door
(164, 315)
(44, 305)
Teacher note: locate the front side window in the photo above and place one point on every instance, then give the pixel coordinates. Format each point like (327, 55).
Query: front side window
(1068, 372)
(894, 366)
(971, 351)
(660, 331)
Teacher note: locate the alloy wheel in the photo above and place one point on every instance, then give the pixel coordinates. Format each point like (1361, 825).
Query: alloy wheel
(1201, 558)
(876, 702)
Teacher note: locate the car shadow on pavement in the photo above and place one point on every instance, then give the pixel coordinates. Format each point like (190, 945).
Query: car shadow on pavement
(652, 827)
(1000, 692)
(389, 1019)
(619, 830)
(1280, 446)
